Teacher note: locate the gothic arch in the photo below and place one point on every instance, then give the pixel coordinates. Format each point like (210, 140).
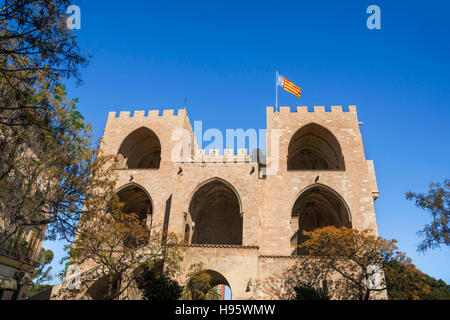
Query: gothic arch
(136, 200)
(314, 147)
(317, 206)
(141, 149)
(215, 212)
(218, 179)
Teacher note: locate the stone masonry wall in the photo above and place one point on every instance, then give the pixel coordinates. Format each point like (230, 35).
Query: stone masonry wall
(266, 202)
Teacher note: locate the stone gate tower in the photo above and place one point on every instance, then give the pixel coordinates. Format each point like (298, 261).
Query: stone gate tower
(243, 216)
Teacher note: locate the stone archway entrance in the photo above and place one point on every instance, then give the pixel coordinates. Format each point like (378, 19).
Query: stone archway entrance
(209, 285)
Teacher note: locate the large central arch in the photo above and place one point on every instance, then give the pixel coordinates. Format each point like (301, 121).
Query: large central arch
(317, 206)
(313, 147)
(215, 212)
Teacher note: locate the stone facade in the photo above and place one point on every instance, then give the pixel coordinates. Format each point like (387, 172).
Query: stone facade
(18, 258)
(243, 215)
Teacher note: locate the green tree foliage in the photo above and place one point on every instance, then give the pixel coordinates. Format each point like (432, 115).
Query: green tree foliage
(65, 260)
(349, 261)
(158, 285)
(437, 203)
(117, 243)
(355, 258)
(306, 291)
(42, 273)
(34, 290)
(35, 47)
(303, 281)
(416, 285)
(51, 173)
(213, 293)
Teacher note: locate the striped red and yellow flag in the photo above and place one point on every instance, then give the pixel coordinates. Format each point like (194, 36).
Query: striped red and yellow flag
(289, 86)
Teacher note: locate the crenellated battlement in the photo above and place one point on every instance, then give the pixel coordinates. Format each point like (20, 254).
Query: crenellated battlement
(228, 156)
(151, 115)
(316, 109)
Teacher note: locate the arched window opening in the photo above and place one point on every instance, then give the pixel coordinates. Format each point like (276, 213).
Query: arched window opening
(141, 149)
(215, 212)
(317, 207)
(136, 201)
(314, 147)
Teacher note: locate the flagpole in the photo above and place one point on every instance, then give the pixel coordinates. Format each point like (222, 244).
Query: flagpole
(276, 90)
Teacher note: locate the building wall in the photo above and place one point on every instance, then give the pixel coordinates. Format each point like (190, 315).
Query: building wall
(266, 201)
(237, 265)
(356, 184)
(17, 264)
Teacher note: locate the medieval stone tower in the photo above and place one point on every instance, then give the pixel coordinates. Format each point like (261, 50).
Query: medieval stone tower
(242, 219)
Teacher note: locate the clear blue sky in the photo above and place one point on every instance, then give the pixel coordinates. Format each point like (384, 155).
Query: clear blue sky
(222, 56)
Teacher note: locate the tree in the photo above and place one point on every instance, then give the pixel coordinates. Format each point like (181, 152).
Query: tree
(281, 286)
(42, 273)
(158, 285)
(305, 291)
(416, 285)
(340, 263)
(354, 260)
(119, 243)
(50, 175)
(35, 47)
(437, 203)
(213, 294)
(50, 165)
(305, 280)
(65, 260)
